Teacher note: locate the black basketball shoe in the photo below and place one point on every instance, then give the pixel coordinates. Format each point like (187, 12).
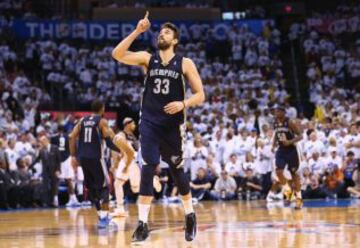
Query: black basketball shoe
(190, 226)
(141, 233)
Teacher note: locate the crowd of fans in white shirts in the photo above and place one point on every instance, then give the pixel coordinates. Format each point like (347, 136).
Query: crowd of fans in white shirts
(228, 151)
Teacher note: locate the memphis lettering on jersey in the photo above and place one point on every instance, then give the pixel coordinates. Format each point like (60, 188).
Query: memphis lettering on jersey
(282, 129)
(164, 72)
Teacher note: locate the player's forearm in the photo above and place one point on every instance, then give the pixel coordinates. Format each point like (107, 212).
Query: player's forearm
(296, 139)
(120, 50)
(196, 99)
(72, 147)
(129, 158)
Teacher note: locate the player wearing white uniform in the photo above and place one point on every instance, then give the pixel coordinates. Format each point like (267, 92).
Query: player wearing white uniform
(126, 167)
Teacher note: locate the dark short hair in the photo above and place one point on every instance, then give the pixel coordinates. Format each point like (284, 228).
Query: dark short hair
(350, 153)
(96, 106)
(61, 128)
(173, 27)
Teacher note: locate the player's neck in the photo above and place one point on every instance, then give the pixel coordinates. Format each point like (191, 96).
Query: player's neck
(166, 55)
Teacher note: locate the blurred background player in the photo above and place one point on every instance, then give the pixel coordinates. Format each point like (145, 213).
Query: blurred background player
(126, 167)
(91, 132)
(124, 164)
(61, 140)
(287, 134)
(162, 128)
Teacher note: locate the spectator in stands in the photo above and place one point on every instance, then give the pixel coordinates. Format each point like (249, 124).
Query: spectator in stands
(348, 168)
(250, 187)
(201, 185)
(234, 168)
(49, 156)
(225, 187)
(333, 183)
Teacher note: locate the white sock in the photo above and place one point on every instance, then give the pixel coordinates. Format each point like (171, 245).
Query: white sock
(188, 206)
(298, 195)
(102, 214)
(80, 188)
(144, 210)
(73, 197)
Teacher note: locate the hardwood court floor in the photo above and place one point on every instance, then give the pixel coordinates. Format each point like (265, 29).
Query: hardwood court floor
(232, 224)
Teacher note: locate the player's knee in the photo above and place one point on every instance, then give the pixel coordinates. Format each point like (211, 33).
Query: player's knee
(146, 183)
(181, 181)
(135, 189)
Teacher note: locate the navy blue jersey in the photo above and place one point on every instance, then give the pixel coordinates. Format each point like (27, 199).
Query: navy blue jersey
(62, 141)
(163, 84)
(90, 140)
(282, 132)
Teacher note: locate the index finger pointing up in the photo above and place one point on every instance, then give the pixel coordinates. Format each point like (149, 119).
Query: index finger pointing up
(146, 15)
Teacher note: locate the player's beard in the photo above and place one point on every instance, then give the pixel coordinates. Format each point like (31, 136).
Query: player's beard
(163, 45)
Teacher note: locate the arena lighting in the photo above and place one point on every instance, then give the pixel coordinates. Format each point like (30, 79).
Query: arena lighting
(233, 15)
(288, 8)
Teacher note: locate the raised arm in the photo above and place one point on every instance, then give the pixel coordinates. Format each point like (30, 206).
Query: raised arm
(121, 52)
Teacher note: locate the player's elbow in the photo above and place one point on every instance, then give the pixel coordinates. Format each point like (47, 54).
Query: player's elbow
(116, 54)
(202, 97)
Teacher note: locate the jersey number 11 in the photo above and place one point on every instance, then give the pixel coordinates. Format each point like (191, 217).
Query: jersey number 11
(88, 134)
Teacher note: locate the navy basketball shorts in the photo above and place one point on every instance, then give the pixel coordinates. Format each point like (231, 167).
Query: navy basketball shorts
(161, 141)
(95, 173)
(289, 157)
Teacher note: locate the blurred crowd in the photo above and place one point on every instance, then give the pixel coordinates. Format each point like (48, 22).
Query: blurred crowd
(228, 151)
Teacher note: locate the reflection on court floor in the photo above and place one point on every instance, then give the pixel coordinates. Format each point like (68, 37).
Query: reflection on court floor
(230, 224)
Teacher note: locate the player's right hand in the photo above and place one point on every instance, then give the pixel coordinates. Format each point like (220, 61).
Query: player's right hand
(144, 24)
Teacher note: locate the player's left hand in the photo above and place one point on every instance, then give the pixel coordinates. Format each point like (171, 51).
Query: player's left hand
(174, 107)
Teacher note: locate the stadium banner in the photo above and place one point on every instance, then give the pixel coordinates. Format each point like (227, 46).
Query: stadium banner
(107, 30)
(334, 26)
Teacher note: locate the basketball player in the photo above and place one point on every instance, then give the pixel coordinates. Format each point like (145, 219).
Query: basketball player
(130, 171)
(92, 131)
(67, 171)
(125, 171)
(287, 134)
(162, 116)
